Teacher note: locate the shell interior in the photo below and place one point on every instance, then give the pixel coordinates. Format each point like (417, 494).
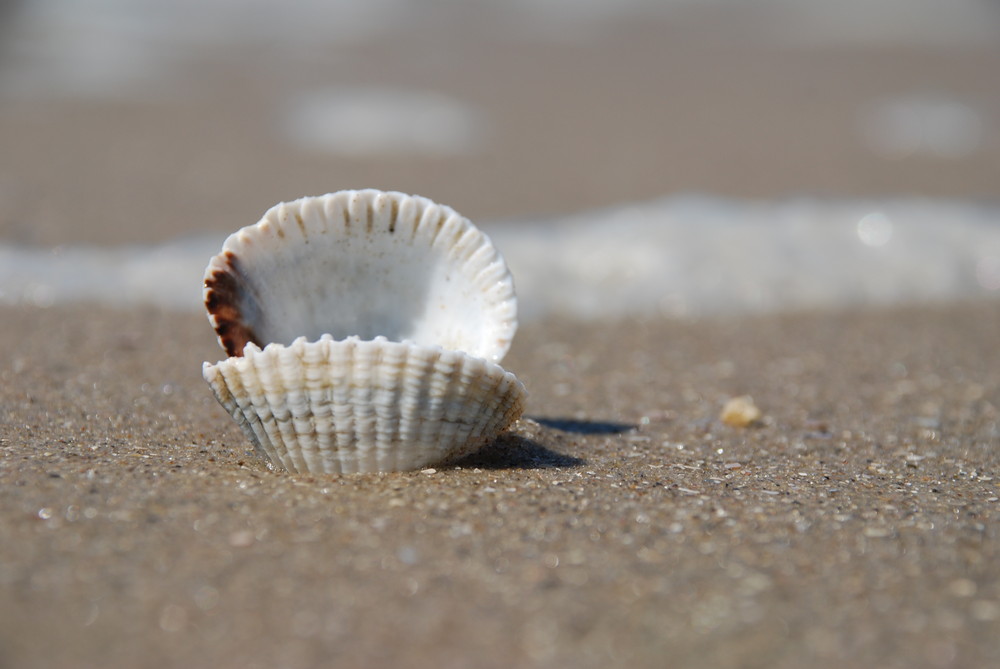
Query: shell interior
(366, 264)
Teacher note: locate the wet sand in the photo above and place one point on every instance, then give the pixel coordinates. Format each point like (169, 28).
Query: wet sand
(622, 523)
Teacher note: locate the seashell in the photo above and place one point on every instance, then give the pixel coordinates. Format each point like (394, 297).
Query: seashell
(364, 331)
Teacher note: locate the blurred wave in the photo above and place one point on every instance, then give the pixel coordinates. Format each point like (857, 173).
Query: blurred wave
(115, 47)
(678, 257)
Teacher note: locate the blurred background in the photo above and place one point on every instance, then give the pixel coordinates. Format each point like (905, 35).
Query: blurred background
(141, 121)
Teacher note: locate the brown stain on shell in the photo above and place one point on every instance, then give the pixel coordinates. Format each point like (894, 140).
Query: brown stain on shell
(222, 296)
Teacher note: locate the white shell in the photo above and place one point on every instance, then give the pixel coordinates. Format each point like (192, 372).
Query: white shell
(362, 406)
(381, 316)
(367, 264)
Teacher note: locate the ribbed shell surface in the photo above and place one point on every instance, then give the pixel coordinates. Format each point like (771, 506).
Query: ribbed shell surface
(362, 406)
(362, 263)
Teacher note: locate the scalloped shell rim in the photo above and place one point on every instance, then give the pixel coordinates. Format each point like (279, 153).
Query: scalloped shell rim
(364, 405)
(251, 297)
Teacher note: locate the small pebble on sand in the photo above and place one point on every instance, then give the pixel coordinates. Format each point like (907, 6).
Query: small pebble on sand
(741, 412)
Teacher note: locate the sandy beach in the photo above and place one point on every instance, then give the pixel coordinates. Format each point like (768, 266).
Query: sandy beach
(620, 523)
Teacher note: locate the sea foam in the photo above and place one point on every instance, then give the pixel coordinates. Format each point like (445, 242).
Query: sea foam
(676, 256)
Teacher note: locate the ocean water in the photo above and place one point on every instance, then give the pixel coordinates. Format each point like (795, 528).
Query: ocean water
(135, 48)
(677, 257)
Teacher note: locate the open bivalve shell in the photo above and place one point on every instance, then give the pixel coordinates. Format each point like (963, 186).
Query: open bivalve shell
(364, 330)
